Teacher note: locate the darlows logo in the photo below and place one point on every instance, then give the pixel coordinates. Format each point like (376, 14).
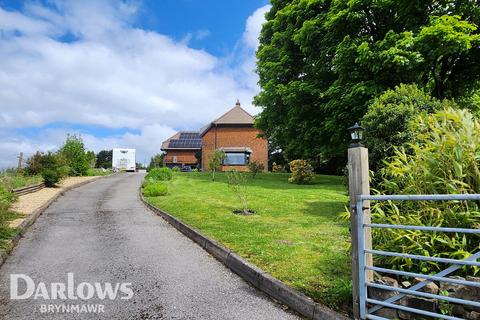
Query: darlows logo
(69, 290)
(23, 287)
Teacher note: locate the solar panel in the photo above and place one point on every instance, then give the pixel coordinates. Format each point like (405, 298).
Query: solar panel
(186, 140)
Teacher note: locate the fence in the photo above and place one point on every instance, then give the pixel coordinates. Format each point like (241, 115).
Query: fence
(28, 189)
(369, 306)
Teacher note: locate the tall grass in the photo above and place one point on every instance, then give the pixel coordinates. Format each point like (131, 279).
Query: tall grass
(10, 179)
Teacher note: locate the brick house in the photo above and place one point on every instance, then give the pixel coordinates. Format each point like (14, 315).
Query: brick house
(234, 134)
(182, 149)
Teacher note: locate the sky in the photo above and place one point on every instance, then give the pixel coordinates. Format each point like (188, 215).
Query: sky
(121, 73)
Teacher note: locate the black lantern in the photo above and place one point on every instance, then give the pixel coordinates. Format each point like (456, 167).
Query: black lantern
(356, 132)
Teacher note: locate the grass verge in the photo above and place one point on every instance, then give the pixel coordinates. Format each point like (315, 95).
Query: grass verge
(295, 235)
(12, 180)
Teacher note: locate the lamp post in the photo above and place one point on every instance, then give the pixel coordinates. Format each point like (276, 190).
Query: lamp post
(356, 133)
(358, 184)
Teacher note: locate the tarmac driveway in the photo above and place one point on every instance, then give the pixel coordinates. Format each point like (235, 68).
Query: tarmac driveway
(102, 233)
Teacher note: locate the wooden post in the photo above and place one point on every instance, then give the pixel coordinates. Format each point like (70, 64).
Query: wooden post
(20, 161)
(358, 184)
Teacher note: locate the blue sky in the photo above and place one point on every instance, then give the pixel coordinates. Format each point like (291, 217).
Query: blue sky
(121, 73)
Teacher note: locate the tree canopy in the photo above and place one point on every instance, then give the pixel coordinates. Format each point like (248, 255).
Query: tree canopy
(321, 62)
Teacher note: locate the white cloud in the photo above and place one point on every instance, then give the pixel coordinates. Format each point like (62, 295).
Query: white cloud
(110, 75)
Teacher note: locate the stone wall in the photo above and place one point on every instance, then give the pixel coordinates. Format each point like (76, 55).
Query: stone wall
(432, 305)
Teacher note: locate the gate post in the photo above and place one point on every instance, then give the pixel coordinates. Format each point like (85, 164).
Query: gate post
(358, 184)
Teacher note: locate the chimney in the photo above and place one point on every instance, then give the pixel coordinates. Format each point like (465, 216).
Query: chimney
(238, 103)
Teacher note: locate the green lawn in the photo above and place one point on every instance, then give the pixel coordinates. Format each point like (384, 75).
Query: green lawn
(295, 235)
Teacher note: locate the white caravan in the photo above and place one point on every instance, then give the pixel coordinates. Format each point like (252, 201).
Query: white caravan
(123, 159)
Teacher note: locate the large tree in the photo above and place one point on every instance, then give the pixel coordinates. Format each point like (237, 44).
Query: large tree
(321, 62)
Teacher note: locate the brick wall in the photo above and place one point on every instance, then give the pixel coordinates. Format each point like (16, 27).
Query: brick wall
(235, 137)
(186, 157)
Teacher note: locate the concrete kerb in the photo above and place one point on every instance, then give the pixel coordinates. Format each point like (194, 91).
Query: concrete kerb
(33, 217)
(250, 273)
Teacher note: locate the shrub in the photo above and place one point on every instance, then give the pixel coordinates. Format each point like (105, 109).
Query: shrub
(176, 169)
(444, 160)
(277, 168)
(73, 150)
(159, 174)
(387, 120)
(51, 177)
(302, 172)
(155, 189)
(51, 166)
(255, 167)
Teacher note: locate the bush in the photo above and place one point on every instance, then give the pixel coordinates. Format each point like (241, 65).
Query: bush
(176, 169)
(255, 167)
(155, 189)
(387, 121)
(51, 177)
(51, 166)
(302, 172)
(277, 168)
(159, 174)
(444, 160)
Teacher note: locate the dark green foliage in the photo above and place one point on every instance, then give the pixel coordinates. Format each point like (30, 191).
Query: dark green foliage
(73, 150)
(104, 159)
(387, 120)
(155, 189)
(321, 62)
(255, 167)
(159, 174)
(51, 177)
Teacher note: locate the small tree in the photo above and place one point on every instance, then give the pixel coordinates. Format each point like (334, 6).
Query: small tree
(255, 167)
(73, 150)
(302, 172)
(238, 185)
(91, 158)
(215, 162)
(156, 161)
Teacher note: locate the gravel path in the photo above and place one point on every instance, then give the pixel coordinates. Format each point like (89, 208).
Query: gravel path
(30, 202)
(103, 233)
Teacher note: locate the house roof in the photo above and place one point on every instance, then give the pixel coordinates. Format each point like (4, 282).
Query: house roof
(235, 116)
(183, 140)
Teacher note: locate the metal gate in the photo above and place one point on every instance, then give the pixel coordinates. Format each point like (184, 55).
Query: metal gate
(369, 306)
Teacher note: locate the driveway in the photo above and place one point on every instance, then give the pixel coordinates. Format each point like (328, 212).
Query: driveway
(102, 233)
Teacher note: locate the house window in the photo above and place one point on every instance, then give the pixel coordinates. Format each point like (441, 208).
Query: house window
(174, 159)
(236, 158)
